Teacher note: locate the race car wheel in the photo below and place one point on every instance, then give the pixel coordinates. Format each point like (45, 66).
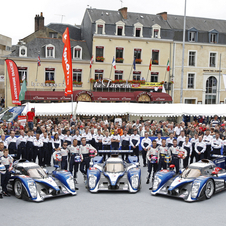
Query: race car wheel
(18, 189)
(209, 190)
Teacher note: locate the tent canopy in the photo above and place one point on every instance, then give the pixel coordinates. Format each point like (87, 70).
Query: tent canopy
(50, 109)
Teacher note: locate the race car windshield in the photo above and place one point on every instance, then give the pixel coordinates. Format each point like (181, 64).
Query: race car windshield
(114, 167)
(37, 173)
(191, 173)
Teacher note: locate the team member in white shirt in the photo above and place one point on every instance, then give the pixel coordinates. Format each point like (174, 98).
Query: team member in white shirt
(115, 141)
(125, 141)
(29, 146)
(169, 140)
(200, 148)
(45, 141)
(134, 142)
(4, 140)
(50, 151)
(21, 145)
(159, 139)
(61, 136)
(11, 142)
(98, 140)
(188, 147)
(106, 141)
(146, 145)
(87, 135)
(216, 144)
(7, 161)
(193, 141)
(38, 145)
(207, 138)
(77, 137)
(163, 151)
(181, 139)
(68, 138)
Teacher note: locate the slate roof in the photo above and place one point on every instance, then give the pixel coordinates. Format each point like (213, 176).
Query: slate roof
(38, 44)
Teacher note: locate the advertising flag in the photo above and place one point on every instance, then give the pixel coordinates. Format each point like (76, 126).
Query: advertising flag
(23, 88)
(168, 66)
(67, 62)
(14, 81)
(150, 65)
(39, 60)
(134, 64)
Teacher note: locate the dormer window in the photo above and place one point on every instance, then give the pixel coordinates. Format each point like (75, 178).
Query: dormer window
(23, 51)
(100, 27)
(213, 36)
(193, 35)
(156, 31)
(138, 30)
(50, 51)
(120, 28)
(77, 52)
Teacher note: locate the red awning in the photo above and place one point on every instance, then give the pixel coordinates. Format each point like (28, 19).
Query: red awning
(113, 96)
(46, 95)
(160, 97)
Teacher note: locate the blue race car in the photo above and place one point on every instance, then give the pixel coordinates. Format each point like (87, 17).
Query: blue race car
(114, 175)
(31, 182)
(200, 180)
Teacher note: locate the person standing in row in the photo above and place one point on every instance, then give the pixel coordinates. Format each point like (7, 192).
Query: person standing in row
(163, 151)
(77, 137)
(21, 145)
(181, 139)
(153, 159)
(98, 140)
(169, 140)
(29, 146)
(216, 144)
(188, 147)
(134, 142)
(175, 151)
(159, 139)
(11, 143)
(45, 141)
(200, 148)
(38, 145)
(207, 138)
(50, 151)
(115, 141)
(64, 153)
(193, 141)
(146, 145)
(106, 143)
(125, 141)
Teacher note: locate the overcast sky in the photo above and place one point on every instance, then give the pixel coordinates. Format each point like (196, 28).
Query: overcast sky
(17, 17)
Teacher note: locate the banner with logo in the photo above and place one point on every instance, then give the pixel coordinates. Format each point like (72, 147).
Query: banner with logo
(67, 62)
(147, 85)
(22, 120)
(14, 81)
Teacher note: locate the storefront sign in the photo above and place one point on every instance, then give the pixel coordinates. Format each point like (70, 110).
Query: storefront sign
(147, 85)
(109, 84)
(215, 71)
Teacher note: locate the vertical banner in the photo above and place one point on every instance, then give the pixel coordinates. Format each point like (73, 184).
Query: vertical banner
(224, 78)
(67, 62)
(14, 81)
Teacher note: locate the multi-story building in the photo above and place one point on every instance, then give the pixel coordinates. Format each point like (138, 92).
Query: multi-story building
(5, 48)
(131, 52)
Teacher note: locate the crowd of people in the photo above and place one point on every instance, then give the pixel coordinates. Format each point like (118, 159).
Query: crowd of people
(72, 143)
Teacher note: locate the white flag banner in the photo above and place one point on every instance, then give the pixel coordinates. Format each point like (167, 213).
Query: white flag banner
(163, 89)
(224, 78)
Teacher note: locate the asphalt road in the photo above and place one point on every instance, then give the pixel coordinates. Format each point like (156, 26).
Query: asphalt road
(108, 208)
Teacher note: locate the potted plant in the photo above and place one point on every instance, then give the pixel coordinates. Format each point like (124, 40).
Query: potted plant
(119, 60)
(100, 59)
(138, 61)
(50, 81)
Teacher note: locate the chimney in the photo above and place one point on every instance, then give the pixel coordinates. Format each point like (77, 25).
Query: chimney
(123, 12)
(39, 22)
(163, 15)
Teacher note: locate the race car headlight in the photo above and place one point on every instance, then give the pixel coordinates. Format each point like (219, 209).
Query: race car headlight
(92, 181)
(32, 189)
(156, 183)
(134, 181)
(70, 182)
(195, 190)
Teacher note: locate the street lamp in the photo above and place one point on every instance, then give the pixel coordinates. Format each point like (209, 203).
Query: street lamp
(182, 68)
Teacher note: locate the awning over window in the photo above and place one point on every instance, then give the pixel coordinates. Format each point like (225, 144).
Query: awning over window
(160, 97)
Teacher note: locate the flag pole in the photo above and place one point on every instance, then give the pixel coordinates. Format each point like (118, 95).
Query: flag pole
(6, 89)
(130, 71)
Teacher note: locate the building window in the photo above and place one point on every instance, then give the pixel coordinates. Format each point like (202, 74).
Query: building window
(23, 51)
(136, 75)
(213, 59)
(191, 81)
(52, 34)
(137, 56)
(138, 30)
(99, 74)
(211, 90)
(119, 55)
(190, 101)
(192, 56)
(50, 51)
(120, 28)
(155, 57)
(77, 77)
(154, 76)
(213, 36)
(100, 27)
(156, 30)
(193, 35)
(99, 54)
(77, 52)
(118, 75)
(22, 71)
(49, 75)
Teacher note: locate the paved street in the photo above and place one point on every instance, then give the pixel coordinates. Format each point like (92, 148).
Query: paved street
(113, 209)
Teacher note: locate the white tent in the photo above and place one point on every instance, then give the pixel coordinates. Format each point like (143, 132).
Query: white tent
(50, 109)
